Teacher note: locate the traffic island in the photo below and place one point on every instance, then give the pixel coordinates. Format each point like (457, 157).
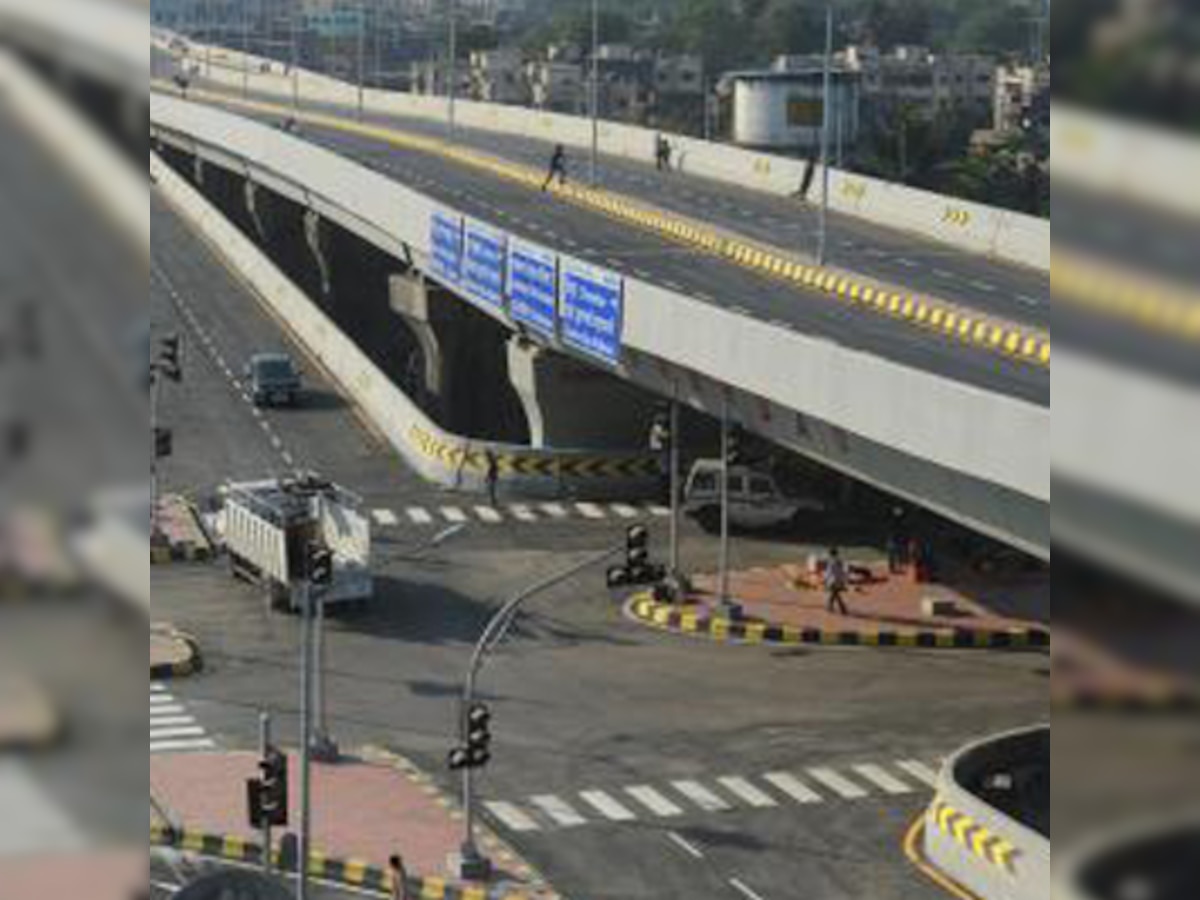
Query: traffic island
(1089, 675)
(364, 809)
(173, 654)
(180, 536)
(786, 606)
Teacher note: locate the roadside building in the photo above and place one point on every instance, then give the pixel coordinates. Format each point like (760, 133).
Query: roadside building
(498, 76)
(782, 108)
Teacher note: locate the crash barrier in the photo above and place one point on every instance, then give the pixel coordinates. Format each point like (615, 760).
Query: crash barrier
(1009, 236)
(1160, 857)
(981, 848)
(1135, 161)
(98, 167)
(441, 457)
(937, 420)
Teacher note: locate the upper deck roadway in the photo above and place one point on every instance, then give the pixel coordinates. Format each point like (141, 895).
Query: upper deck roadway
(1005, 292)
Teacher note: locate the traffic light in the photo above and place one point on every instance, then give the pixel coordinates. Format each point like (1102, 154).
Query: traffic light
(320, 565)
(267, 795)
(637, 568)
(660, 429)
(475, 752)
(169, 360)
(163, 442)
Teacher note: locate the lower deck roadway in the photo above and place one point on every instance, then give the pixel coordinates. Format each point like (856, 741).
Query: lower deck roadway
(635, 253)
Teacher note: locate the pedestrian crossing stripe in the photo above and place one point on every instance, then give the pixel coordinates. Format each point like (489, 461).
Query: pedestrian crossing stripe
(172, 729)
(724, 794)
(519, 512)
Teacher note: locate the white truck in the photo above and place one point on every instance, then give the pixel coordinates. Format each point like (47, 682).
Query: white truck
(270, 526)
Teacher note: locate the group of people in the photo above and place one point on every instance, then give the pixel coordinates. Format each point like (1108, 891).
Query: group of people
(557, 168)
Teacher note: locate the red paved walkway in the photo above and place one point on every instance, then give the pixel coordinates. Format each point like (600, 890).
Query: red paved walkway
(364, 811)
(787, 595)
(104, 875)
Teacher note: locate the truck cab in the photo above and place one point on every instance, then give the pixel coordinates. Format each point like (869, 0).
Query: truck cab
(755, 501)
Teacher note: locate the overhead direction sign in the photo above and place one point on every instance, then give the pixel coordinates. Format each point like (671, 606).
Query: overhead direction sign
(446, 246)
(484, 263)
(533, 286)
(591, 309)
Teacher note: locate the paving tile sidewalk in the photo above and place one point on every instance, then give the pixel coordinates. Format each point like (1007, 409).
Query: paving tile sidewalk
(788, 596)
(362, 810)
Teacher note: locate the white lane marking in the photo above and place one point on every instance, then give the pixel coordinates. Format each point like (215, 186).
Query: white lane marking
(590, 510)
(555, 510)
(701, 796)
(793, 787)
(653, 801)
(741, 887)
(623, 510)
(608, 806)
(157, 688)
(165, 721)
(1029, 301)
(522, 513)
(384, 517)
(942, 273)
(882, 778)
(453, 514)
(172, 746)
(686, 846)
(983, 285)
(512, 816)
(558, 809)
(173, 709)
(489, 515)
(181, 731)
(744, 790)
(838, 783)
(907, 263)
(660, 511)
(418, 516)
(919, 771)
(160, 699)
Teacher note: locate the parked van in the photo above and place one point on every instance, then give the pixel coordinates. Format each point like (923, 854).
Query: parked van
(755, 501)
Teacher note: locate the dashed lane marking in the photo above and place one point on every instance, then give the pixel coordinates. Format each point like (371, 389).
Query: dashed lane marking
(685, 845)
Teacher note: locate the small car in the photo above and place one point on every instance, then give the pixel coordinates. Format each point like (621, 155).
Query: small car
(755, 502)
(274, 379)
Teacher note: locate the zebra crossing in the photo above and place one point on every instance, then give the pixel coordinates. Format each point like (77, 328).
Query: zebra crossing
(679, 798)
(172, 728)
(506, 514)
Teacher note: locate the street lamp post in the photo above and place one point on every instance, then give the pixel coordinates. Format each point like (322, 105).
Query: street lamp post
(453, 67)
(362, 43)
(295, 63)
(473, 865)
(723, 595)
(595, 93)
(674, 481)
(826, 117)
(306, 695)
(245, 50)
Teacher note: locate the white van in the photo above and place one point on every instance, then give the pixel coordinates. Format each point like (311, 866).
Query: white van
(755, 501)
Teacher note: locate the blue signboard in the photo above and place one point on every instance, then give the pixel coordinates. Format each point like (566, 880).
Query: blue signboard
(484, 263)
(533, 286)
(590, 308)
(446, 246)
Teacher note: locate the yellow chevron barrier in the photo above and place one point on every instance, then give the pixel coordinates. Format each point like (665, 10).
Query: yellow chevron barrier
(974, 838)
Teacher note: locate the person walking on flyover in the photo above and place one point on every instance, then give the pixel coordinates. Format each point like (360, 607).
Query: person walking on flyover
(806, 181)
(399, 878)
(835, 583)
(493, 476)
(663, 154)
(558, 167)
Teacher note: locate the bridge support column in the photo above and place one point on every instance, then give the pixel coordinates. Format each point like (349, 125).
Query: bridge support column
(198, 170)
(433, 315)
(571, 405)
(314, 236)
(254, 200)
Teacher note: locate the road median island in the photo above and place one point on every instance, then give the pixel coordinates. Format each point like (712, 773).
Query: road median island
(173, 654)
(365, 808)
(182, 537)
(783, 606)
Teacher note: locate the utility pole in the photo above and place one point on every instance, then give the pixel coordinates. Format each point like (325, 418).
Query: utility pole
(245, 49)
(208, 37)
(306, 666)
(453, 68)
(362, 43)
(296, 62)
(264, 747)
(823, 229)
(706, 112)
(324, 747)
(723, 597)
(595, 93)
(674, 481)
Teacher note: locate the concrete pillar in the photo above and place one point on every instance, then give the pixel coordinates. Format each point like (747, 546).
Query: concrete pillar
(314, 236)
(571, 405)
(198, 170)
(254, 199)
(429, 376)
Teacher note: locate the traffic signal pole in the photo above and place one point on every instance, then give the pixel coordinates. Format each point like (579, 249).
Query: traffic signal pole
(675, 492)
(724, 553)
(306, 666)
(473, 865)
(264, 747)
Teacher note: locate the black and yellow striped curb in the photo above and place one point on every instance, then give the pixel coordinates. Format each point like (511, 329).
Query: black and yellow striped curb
(457, 457)
(183, 668)
(973, 837)
(913, 839)
(688, 621)
(1167, 700)
(1017, 342)
(180, 551)
(1153, 305)
(351, 872)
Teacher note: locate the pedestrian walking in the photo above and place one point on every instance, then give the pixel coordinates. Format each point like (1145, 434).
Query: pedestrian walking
(558, 167)
(662, 154)
(835, 583)
(493, 476)
(399, 877)
(806, 181)
(896, 543)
